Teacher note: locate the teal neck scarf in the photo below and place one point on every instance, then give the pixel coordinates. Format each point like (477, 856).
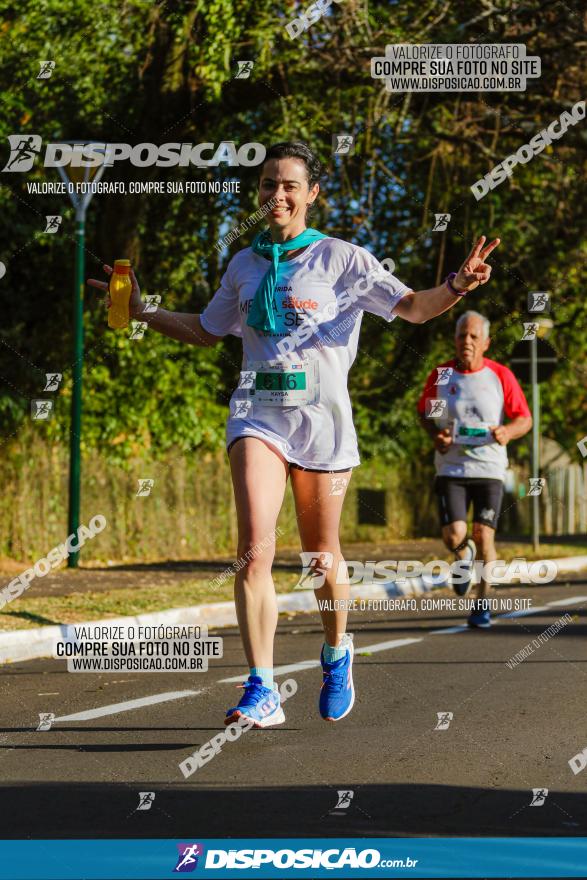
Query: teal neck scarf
(261, 316)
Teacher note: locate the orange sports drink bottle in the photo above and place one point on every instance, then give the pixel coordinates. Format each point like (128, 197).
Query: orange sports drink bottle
(119, 288)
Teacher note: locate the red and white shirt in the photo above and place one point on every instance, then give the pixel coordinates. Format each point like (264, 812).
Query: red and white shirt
(472, 396)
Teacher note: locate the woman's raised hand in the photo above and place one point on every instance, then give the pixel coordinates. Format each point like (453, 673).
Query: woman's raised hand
(135, 306)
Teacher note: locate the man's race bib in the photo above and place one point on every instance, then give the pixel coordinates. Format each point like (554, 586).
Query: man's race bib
(283, 383)
(471, 433)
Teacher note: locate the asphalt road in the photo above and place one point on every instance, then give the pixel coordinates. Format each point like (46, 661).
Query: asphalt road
(513, 730)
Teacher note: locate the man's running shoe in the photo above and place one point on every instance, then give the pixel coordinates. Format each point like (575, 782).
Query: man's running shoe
(464, 567)
(337, 694)
(480, 617)
(259, 703)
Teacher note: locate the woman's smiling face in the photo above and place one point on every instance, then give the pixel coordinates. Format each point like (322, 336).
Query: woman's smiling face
(286, 182)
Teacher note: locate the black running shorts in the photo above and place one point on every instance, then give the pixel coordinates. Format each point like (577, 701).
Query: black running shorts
(455, 494)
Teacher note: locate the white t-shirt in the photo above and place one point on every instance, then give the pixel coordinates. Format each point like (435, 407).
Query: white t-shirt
(331, 282)
(482, 396)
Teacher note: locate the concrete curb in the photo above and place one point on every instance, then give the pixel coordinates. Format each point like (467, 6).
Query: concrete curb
(31, 644)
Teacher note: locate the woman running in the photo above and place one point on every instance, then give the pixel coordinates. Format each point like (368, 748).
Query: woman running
(296, 298)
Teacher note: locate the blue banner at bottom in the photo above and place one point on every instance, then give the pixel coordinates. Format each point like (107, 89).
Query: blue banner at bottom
(376, 857)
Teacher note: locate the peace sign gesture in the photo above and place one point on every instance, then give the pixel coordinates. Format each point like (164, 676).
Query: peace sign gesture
(475, 270)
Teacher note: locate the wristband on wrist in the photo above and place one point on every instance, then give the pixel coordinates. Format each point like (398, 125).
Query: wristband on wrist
(448, 281)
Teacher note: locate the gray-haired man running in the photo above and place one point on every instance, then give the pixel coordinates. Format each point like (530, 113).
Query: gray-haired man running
(462, 407)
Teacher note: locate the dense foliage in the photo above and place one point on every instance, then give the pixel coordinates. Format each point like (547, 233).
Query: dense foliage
(137, 71)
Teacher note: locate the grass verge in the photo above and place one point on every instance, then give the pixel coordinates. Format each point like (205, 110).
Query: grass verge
(29, 612)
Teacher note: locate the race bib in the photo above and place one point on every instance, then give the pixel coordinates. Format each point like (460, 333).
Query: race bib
(471, 433)
(284, 383)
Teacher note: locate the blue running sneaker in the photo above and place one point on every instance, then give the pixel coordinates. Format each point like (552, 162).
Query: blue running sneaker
(259, 703)
(337, 695)
(480, 617)
(465, 566)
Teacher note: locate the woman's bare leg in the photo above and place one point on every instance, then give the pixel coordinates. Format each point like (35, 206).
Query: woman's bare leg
(259, 477)
(318, 512)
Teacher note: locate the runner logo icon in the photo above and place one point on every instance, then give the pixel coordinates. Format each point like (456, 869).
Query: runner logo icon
(342, 144)
(41, 409)
(441, 222)
(146, 799)
(46, 68)
(46, 719)
(53, 222)
(138, 329)
(188, 854)
(53, 380)
(444, 719)
(539, 301)
(444, 374)
(539, 795)
(536, 485)
(338, 485)
(244, 69)
(24, 149)
(435, 408)
(315, 567)
(344, 799)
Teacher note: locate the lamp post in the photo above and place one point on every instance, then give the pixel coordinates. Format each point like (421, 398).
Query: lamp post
(80, 201)
(534, 361)
(545, 325)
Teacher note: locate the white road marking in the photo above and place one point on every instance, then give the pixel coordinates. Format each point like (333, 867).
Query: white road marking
(524, 612)
(311, 664)
(448, 629)
(279, 670)
(399, 643)
(127, 706)
(386, 646)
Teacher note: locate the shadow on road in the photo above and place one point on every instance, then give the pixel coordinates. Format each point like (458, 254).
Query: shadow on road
(78, 811)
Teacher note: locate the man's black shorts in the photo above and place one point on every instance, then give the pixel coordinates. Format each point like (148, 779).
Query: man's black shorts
(456, 493)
